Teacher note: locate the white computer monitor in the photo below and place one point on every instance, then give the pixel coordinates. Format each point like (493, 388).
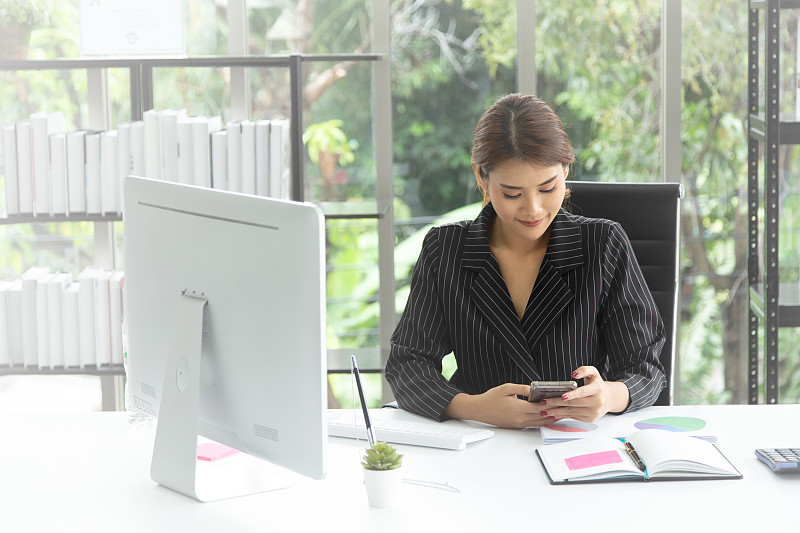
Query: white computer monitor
(225, 313)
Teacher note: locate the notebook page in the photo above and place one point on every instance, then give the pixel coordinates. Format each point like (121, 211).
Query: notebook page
(588, 459)
(665, 451)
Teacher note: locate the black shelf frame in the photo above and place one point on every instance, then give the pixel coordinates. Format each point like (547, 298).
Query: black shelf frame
(90, 370)
(769, 130)
(47, 219)
(141, 95)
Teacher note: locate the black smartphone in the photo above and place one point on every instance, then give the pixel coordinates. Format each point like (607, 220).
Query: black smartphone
(549, 389)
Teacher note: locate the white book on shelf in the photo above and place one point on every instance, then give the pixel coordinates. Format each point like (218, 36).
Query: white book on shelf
(76, 171)
(86, 320)
(248, 156)
(234, 129)
(43, 124)
(14, 322)
(71, 326)
(137, 148)
(5, 349)
(152, 144)
(202, 128)
(55, 310)
(280, 160)
(102, 317)
(108, 172)
(262, 157)
(11, 179)
(93, 199)
(30, 355)
(24, 167)
(219, 160)
(185, 152)
(123, 160)
(43, 321)
(169, 143)
(58, 174)
(115, 283)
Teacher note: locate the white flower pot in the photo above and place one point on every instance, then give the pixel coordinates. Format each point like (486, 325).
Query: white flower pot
(383, 487)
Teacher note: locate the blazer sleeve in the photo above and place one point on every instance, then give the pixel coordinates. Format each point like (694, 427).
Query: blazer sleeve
(420, 341)
(632, 329)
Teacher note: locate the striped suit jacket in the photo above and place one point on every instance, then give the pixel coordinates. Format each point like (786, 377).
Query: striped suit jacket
(589, 306)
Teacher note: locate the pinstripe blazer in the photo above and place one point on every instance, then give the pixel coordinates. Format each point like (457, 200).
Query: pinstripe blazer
(589, 306)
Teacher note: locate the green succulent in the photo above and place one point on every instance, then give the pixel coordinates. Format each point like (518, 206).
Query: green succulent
(382, 456)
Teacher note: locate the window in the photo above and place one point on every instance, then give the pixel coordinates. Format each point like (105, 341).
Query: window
(599, 64)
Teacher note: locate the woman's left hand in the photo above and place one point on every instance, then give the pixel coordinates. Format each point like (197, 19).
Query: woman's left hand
(588, 403)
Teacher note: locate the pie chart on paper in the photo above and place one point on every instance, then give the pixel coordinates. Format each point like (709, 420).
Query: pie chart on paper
(572, 426)
(677, 424)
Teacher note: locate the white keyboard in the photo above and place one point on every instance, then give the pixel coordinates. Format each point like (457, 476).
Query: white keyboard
(450, 436)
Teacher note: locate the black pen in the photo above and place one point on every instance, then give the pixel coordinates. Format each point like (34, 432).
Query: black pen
(370, 432)
(635, 456)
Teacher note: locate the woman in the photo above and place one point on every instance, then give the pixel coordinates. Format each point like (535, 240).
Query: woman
(526, 292)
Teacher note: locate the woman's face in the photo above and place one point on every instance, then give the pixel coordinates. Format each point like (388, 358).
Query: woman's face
(526, 198)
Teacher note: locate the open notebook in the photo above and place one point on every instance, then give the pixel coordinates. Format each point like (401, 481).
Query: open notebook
(643, 455)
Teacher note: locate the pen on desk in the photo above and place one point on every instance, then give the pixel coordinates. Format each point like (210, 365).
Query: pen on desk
(635, 456)
(370, 431)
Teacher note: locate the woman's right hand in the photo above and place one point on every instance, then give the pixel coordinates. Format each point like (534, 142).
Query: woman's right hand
(499, 406)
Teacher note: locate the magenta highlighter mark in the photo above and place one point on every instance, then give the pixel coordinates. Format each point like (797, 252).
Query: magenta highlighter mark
(593, 459)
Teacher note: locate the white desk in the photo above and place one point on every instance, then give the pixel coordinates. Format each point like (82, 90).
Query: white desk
(90, 472)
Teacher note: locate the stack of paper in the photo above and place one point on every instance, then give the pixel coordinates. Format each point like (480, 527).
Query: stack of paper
(685, 419)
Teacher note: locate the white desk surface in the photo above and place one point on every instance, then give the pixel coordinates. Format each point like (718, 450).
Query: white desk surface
(90, 472)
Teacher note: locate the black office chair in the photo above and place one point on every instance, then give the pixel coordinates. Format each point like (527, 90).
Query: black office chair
(650, 215)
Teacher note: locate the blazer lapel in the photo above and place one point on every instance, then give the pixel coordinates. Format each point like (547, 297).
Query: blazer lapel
(551, 294)
(549, 298)
(489, 292)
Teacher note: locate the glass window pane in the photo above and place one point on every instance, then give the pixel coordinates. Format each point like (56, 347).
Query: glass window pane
(344, 395)
(57, 34)
(294, 26)
(352, 283)
(338, 139)
(198, 90)
(598, 64)
(714, 302)
(206, 27)
(64, 247)
(446, 69)
(449, 62)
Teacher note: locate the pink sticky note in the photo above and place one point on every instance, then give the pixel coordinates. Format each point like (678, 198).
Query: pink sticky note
(211, 451)
(593, 459)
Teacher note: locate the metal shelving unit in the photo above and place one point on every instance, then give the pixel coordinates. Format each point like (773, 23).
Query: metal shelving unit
(141, 85)
(771, 131)
(141, 94)
(45, 219)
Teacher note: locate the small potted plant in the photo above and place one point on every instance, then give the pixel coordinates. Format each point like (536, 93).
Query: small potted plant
(382, 474)
(17, 19)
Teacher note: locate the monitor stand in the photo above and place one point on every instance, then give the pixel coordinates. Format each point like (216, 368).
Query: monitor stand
(175, 463)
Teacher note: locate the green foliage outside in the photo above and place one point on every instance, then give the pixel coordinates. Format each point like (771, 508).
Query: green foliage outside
(599, 64)
(23, 12)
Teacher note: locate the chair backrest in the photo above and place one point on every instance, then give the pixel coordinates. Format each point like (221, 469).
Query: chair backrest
(650, 215)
